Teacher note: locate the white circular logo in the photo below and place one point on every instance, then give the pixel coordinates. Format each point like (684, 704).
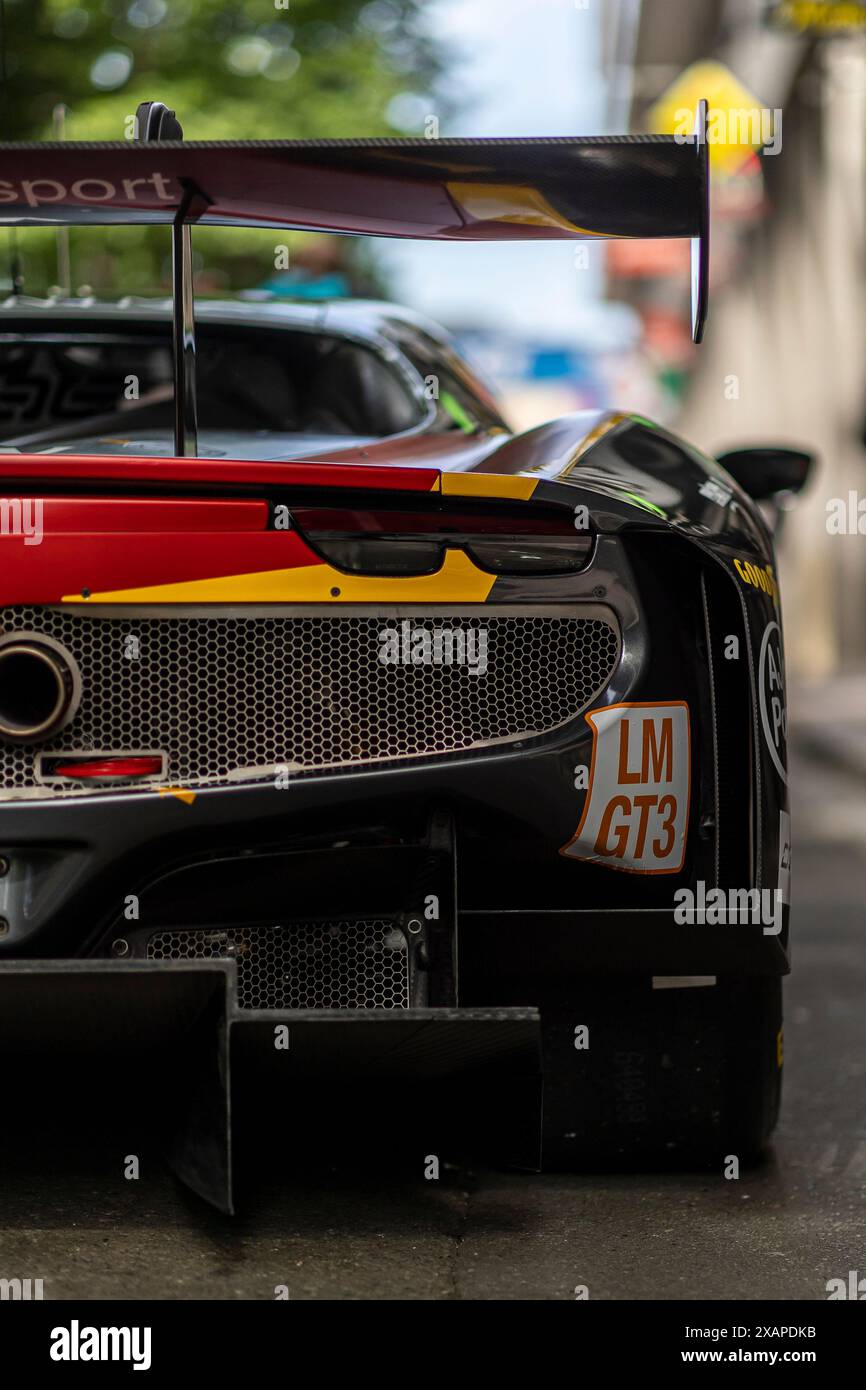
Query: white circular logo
(771, 697)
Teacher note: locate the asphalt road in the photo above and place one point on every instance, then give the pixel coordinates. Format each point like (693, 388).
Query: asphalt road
(368, 1225)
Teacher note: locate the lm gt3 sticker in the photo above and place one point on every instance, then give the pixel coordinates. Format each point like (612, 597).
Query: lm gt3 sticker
(637, 805)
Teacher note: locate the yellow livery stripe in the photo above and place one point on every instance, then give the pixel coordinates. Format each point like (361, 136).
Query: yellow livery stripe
(458, 581)
(182, 794)
(488, 485)
(509, 202)
(601, 429)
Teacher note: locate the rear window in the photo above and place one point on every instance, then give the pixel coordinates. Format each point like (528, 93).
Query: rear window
(289, 382)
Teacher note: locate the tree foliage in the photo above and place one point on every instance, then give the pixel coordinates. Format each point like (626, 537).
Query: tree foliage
(231, 69)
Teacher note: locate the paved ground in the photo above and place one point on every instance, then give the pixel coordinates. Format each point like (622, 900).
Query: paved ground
(370, 1226)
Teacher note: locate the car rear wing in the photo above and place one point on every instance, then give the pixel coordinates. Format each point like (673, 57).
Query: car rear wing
(623, 186)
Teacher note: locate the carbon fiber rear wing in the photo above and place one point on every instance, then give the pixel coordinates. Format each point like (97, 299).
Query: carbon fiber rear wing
(629, 186)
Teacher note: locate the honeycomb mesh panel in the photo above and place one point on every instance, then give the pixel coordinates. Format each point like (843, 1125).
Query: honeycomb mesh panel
(223, 696)
(345, 964)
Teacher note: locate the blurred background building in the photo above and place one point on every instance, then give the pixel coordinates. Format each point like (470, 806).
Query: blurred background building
(784, 359)
(785, 355)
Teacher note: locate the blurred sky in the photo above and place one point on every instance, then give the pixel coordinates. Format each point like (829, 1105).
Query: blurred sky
(519, 67)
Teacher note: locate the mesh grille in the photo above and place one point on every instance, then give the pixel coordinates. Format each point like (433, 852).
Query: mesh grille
(304, 965)
(224, 697)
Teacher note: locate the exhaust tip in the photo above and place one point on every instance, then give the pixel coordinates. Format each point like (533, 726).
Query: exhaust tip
(40, 688)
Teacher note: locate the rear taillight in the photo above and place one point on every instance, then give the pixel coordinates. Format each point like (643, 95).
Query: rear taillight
(103, 769)
(510, 540)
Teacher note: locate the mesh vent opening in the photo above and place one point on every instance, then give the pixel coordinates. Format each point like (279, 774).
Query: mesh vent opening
(339, 964)
(225, 697)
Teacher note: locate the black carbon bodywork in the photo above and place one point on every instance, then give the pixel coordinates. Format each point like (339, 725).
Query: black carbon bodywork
(75, 861)
(681, 565)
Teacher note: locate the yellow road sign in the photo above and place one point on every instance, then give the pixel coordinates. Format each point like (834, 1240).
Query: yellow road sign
(737, 124)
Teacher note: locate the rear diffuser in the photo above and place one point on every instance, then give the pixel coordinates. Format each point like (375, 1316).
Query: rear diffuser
(134, 1025)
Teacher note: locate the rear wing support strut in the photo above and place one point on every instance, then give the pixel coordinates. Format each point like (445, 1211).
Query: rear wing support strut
(183, 322)
(183, 330)
(153, 122)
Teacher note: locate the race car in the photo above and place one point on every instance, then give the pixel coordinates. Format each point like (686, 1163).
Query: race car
(331, 704)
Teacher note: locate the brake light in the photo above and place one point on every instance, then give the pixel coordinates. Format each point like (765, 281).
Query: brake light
(516, 540)
(97, 769)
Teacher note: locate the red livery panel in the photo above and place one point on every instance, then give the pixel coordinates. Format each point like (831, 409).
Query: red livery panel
(203, 470)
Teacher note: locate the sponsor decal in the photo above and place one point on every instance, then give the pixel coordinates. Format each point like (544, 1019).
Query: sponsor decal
(771, 698)
(36, 192)
(637, 806)
(784, 879)
(715, 491)
(763, 579)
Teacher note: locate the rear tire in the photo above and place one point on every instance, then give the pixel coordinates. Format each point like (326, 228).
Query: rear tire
(670, 1077)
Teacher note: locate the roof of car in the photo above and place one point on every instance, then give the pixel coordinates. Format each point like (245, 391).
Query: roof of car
(365, 318)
